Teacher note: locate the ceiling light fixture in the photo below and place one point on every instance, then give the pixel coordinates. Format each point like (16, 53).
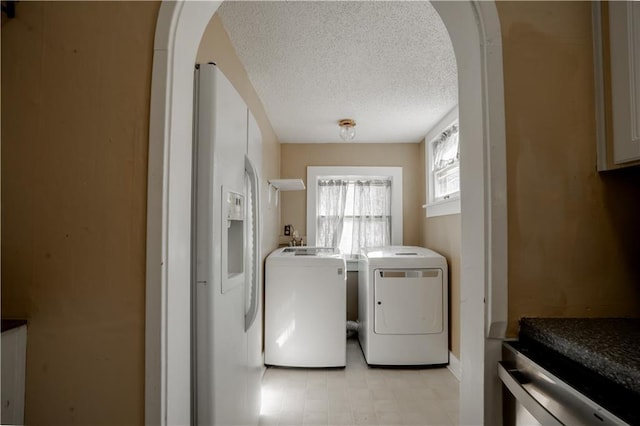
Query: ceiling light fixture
(347, 129)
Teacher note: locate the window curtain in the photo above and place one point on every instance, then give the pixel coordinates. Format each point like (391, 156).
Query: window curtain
(332, 194)
(445, 165)
(446, 149)
(371, 214)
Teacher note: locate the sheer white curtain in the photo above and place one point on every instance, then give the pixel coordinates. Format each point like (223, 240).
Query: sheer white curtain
(332, 194)
(371, 214)
(445, 165)
(446, 149)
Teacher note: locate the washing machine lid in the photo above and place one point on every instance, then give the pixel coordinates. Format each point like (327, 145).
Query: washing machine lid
(311, 251)
(300, 255)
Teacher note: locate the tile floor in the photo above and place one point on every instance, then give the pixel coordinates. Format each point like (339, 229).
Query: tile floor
(359, 395)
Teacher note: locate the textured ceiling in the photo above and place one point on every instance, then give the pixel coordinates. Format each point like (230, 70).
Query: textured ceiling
(388, 65)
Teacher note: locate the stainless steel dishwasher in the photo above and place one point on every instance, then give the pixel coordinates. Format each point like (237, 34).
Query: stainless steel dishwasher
(533, 395)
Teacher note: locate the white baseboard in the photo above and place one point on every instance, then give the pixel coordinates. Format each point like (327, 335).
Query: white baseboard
(454, 366)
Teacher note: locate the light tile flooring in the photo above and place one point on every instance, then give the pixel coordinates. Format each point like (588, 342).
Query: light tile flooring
(359, 395)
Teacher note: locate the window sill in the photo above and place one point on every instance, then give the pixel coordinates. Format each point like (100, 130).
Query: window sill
(443, 208)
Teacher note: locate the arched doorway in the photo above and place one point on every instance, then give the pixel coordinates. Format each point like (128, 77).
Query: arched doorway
(475, 33)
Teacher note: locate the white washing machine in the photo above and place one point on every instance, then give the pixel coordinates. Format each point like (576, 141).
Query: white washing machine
(305, 307)
(403, 306)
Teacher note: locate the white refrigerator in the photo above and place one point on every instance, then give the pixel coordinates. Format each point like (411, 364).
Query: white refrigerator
(226, 279)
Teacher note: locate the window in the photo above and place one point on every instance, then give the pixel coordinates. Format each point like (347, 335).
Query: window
(367, 215)
(354, 207)
(443, 167)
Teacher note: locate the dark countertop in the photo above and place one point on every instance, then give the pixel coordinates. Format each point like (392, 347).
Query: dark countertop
(8, 324)
(608, 346)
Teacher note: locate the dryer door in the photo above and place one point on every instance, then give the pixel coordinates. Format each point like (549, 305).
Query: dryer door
(408, 301)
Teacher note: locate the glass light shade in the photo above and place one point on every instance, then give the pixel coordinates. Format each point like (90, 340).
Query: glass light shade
(347, 133)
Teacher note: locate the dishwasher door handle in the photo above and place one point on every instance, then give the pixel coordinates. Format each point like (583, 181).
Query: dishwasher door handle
(523, 397)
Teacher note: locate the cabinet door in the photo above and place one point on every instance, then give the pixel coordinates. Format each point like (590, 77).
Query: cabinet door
(408, 301)
(624, 33)
(14, 350)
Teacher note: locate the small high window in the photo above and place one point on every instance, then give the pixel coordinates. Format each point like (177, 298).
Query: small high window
(443, 170)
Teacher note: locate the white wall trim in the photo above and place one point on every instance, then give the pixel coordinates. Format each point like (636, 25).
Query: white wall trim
(168, 295)
(483, 269)
(496, 260)
(471, 24)
(443, 208)
(454, 366)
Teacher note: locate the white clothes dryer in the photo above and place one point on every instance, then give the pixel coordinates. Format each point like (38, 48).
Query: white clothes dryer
(403, 306)
(305, 307)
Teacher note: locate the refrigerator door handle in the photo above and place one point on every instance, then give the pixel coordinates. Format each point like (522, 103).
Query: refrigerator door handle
(250, 316)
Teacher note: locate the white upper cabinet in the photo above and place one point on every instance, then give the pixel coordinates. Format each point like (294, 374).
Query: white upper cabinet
(624, 33)
(619, 103)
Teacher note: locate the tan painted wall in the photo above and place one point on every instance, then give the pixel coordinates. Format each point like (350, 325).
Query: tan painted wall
(75, 115)
(216, 47)
(75, 94)
(573, 233)
(296, 157)
(443, 234)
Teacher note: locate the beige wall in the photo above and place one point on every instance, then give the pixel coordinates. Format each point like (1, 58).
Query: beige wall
(75, 115)
(573, 233)
(561, 211)
(76, 87)
(443, 234)
(296, 157)
(75, 99)
(216, 47)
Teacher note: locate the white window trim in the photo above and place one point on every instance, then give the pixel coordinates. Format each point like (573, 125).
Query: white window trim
(452, 204)
(394, 173)
(443, 208)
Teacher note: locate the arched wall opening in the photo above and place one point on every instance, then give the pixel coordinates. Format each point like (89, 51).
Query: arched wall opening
(475, 33)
